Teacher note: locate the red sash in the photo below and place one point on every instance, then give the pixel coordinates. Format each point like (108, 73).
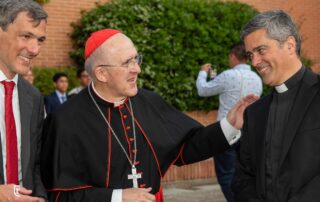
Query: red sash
(159, 195)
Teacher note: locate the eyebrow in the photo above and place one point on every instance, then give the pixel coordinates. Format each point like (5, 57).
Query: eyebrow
(258, 47)
(128, 60)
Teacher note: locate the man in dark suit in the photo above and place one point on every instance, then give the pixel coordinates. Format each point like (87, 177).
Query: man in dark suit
(22, 32)
(59, 96)
(279, 151)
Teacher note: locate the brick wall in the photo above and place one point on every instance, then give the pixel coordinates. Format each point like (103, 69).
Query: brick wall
(55, 52)
(61, 13)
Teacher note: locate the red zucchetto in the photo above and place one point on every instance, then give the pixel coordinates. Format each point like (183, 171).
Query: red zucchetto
(96, 39)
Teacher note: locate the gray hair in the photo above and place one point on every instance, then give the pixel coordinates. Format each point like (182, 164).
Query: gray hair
(278, 24)
(9, 10)
(92, 61)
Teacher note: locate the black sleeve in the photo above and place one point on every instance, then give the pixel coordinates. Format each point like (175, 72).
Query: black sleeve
(204, 143)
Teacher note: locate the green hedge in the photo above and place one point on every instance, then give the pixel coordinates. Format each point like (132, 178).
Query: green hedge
(42, 1)
(175, 36)
(43, 78)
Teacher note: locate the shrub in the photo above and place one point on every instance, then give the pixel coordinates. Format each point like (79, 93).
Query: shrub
(176, 37)
(42, 1)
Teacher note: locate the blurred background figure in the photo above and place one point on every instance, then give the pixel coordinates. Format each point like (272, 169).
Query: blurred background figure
(29, 76)
(230, 85)
(84, 80)
(59, 96)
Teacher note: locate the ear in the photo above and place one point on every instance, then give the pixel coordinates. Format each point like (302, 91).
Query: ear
(100, 74)
(291, 44)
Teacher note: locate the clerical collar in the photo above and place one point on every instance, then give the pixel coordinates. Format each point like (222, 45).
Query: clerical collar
(291, 82)
(115, 104)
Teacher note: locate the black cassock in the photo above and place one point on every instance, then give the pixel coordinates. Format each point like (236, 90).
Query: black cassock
(82, 161)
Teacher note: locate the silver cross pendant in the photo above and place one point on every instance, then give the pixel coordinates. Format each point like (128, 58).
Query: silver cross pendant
(134, 177)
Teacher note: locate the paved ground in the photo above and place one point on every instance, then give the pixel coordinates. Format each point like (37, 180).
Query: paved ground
(193, 191)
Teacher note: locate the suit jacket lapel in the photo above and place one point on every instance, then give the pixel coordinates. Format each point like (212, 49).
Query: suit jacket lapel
(26, 105)
(304, 97)
(260, 129)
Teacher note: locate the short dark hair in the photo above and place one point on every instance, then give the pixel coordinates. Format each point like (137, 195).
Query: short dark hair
(9, 10)
(58, 75)
(239, 51)
(79, 72)
(278, 24)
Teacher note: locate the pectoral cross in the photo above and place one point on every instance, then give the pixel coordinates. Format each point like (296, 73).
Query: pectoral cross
(134, 177)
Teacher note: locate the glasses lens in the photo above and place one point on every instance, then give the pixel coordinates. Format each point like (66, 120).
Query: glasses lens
(139, 59)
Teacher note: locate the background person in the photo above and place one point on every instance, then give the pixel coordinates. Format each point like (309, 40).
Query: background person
(84, 80)
(230, 85)
(29, 76)
(59, 96)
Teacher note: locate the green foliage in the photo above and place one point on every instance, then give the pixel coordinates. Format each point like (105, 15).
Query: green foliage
(43, 78)
(176, 37)
(42, 1)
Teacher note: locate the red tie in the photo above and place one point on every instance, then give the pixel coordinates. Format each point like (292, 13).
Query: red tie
(11, 136)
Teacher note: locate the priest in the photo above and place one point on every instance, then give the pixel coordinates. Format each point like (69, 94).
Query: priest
(279, 150)
(113, 141)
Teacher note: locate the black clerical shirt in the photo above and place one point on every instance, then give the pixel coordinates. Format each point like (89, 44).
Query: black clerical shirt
(279, 114)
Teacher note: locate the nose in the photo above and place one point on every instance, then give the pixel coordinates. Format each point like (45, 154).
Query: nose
(34, 47)
(136, 68)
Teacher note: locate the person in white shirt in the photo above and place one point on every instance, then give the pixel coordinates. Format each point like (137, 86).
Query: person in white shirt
(84, 80)
(230, 85)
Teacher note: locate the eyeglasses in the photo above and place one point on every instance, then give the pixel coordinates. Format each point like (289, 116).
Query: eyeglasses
(128, 64)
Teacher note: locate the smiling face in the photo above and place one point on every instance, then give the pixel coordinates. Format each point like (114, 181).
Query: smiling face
(20, 43)
(275, 62)
(120, 81)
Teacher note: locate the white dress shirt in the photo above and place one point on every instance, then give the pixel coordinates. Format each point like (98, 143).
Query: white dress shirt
(230, 85)
(61, 95)
(16, 113)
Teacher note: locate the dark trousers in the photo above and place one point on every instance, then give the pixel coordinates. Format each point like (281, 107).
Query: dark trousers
(225, 168)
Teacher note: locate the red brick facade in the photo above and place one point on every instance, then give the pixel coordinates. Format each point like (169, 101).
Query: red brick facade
(55, 52)
(61, 13)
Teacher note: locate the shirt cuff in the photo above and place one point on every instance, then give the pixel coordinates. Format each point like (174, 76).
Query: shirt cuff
(232, 134)
(116, 195)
